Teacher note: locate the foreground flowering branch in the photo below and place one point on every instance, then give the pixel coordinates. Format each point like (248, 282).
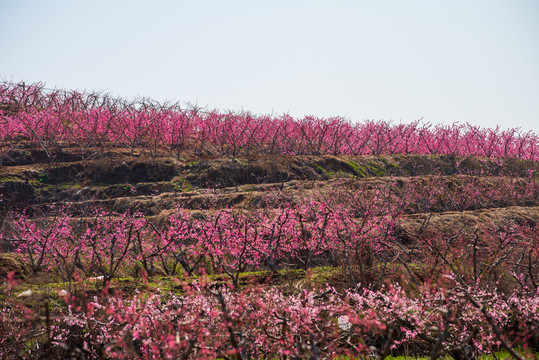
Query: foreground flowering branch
(211, 321)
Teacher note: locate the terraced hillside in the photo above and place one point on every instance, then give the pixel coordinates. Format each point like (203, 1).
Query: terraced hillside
(220, 246)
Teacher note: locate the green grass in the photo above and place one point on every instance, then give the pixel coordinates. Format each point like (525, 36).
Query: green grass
(374, 169)
(183, 186)
(354, 167)
(9, 178)
(332, 174)
(44, 177)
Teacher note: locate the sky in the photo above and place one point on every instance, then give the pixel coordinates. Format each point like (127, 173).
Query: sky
(442, 61)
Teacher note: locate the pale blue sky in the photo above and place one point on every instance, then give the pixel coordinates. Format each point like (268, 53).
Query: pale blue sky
(445, 61)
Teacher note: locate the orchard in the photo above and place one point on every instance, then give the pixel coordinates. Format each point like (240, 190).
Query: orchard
(137, 229)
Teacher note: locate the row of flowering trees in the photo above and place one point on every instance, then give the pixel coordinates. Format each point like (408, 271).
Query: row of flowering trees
(95, 123)
(366, 243)
(228, 242)
(207, 321)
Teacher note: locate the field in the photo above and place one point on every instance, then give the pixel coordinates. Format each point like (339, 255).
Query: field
(137, 229)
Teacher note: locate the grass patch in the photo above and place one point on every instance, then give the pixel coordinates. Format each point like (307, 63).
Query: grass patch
(355, 168)
(44, 177)
(183, 186)
(9, 178)
(374, 169)
(329, 174)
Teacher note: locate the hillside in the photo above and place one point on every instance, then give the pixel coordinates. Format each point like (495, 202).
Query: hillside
(294, 238)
